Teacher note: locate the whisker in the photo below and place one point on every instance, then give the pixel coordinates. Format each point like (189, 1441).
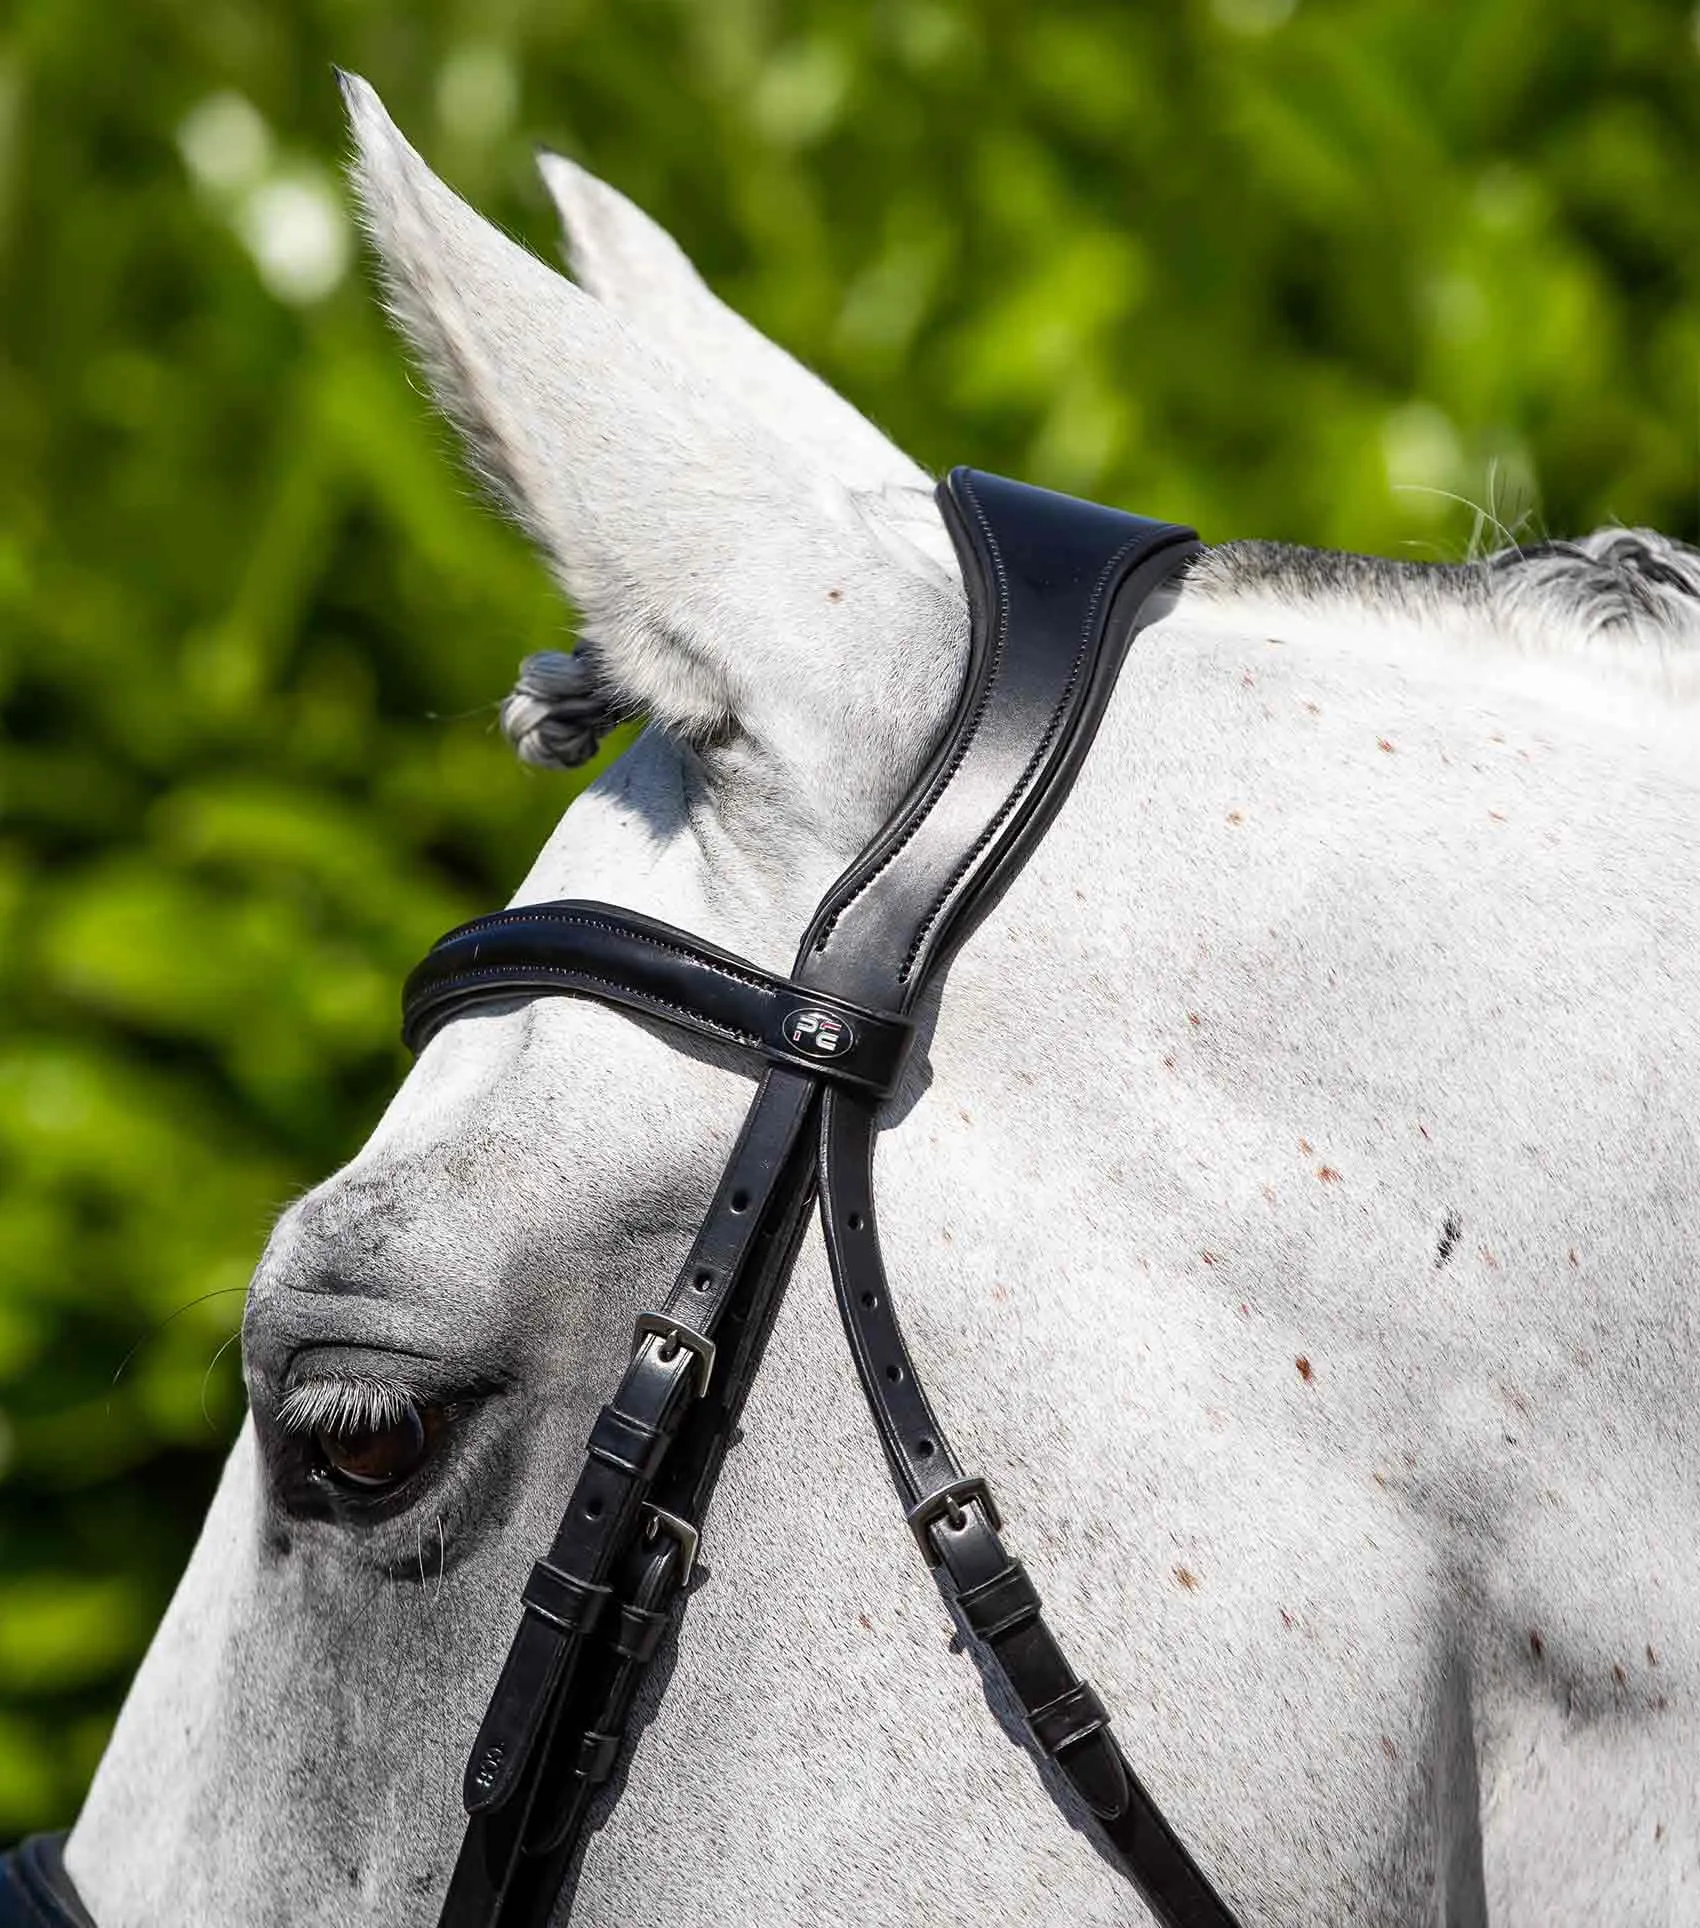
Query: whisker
(207, 1376)
(154, 1330)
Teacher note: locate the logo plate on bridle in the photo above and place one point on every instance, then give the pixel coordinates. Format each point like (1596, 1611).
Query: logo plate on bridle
(819, 1034)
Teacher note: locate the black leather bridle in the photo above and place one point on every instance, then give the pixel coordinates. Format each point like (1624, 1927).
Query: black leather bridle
(1058, 589)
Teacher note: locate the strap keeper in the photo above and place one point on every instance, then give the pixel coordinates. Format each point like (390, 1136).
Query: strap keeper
(597, 1754)
(1071, 1717)
(1001, 1604)
(570, 1605)
(639, 1632)
(626, 1444)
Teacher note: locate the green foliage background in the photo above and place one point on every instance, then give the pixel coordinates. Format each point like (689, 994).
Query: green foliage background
(1280, 270)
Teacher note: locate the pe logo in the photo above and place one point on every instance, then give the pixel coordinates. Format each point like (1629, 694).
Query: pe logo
(818, 1034)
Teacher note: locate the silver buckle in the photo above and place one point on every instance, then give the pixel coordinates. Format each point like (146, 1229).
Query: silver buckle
(950, 1500)
(656, 1325)
(686, 1537)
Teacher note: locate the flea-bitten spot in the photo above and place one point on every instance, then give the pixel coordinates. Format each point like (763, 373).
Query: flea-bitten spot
(1450, 1231)
(1307, 1372)
(1537, 1646)
(1328, 1174)
(1382, 744)
(1185, 1577)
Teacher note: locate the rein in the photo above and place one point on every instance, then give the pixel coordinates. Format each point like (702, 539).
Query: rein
(1058, 589)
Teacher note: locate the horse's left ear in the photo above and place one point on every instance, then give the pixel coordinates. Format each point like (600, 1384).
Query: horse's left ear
(631, 264)
(733, 584)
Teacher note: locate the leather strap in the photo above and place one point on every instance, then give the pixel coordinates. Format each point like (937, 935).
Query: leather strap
(1057, 590)
(35, 1890)
(659, 972)
(957, 1527)
(728, 1280)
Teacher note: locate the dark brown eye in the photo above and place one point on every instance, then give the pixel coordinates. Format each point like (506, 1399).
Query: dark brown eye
(371, 1457)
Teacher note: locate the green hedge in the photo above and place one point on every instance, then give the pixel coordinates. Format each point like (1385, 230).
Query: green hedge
(1375, 273)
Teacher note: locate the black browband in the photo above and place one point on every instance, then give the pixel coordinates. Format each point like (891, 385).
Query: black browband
(1058, 589)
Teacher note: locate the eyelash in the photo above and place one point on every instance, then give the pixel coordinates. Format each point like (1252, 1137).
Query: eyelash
(358, 1403)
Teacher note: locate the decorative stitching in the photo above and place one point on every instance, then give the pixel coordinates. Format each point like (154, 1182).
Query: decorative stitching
(570, 976)
(945, 777)
(1022, 782)
(528, 913)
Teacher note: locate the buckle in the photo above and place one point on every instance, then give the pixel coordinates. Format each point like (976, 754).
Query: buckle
(656, 1325)
(681, 1532)
(950, 1500)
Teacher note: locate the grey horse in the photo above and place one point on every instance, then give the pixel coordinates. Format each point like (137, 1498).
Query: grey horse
(1341, 1158)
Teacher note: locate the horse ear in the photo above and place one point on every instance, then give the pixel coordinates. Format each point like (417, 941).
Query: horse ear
(632, 265)
(732, 584)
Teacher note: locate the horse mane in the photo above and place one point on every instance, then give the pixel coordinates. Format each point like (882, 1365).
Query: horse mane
(1627, 599)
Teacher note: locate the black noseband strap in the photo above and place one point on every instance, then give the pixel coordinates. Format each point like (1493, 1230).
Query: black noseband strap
(1058, 589)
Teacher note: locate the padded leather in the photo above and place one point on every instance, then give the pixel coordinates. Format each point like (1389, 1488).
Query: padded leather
(1055, 591)
(35, 1890)
(597, 951)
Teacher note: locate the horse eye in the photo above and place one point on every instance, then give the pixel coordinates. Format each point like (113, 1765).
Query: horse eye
(372, 1457)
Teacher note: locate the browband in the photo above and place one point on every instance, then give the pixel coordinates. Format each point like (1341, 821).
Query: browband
(1057, 590)
(652, 968)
